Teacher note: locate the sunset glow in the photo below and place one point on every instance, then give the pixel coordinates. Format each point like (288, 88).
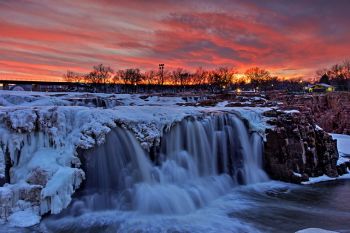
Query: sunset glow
(41, 40)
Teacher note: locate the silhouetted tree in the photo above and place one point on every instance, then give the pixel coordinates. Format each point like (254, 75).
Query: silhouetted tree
(120, 76)
(200, 77)
(325, 79)
(180, 77)
(259, 77)
(130, 76)
(346, 68)
(164, 77)
(100, 75)
(220, 78)
(71, 76)
(151, 77)
(339, 75)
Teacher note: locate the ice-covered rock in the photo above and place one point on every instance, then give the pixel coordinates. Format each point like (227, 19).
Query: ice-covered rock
(24, 218)
(41, 132)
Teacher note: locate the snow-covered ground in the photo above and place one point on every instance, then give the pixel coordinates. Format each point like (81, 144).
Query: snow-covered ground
(40, 134)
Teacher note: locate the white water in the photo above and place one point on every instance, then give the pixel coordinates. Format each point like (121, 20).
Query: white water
(199, 162)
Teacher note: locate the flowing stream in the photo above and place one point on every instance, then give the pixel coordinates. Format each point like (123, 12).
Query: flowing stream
(199, 161)
(206, 177)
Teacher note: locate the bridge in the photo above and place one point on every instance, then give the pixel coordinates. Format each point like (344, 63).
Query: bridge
(34, 85)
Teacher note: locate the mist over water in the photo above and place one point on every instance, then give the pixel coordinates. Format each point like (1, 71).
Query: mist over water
(199, 161)
(207, 177)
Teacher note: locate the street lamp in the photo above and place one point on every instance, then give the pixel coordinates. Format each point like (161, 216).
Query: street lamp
(161, 70)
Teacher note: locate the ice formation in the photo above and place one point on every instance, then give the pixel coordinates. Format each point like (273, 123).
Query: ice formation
(41, 132)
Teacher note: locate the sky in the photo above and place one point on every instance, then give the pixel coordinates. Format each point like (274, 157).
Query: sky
(42, 39)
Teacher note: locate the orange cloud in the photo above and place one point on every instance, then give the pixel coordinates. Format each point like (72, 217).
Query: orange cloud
(42, 40)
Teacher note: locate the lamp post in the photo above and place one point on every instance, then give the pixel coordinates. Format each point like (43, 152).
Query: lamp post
(161, 71)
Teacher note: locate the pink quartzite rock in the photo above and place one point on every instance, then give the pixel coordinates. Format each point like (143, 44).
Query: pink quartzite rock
(331, 111)
(295, 150)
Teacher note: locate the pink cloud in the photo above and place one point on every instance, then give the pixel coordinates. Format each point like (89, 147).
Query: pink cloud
(47, 38)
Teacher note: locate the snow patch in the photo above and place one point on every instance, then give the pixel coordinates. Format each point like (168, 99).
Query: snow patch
(222, 104)
(297, 174)
(318, 127)
(24, 218)
(343, 145)
(323, 178)
(291, 111)
(315, 230)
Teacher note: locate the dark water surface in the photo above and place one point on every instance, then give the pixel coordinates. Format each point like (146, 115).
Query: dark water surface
(324, 205)
(267, 207)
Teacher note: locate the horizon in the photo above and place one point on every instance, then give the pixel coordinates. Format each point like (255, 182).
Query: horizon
(290, 39)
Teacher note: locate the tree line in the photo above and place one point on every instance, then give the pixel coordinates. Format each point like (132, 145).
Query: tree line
(220, 77)
(337, 75)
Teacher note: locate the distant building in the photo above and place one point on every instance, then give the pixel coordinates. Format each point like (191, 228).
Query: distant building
(320, 87)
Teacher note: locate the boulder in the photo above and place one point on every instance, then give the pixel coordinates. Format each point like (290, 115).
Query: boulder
(295, 149)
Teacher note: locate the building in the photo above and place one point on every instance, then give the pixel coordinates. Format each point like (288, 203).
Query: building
(320, 87)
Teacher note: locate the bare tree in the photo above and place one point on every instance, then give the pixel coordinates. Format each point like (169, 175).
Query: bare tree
(116, 78)
(134, 76)
(200, 77)
(258, 77)
(91, 78)
(221, 77)
(180, 77)
(120, 76)
(150, 77)
(346, 68)
(72, 77)
(163, 77)
(100, 75)
(130, 76)
(338, 75)
(336, 70)
(227, 75)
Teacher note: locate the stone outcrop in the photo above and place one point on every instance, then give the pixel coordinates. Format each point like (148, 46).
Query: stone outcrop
(331, 111)
(295, 149)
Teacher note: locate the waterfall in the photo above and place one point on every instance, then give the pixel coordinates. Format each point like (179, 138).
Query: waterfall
(198, 161)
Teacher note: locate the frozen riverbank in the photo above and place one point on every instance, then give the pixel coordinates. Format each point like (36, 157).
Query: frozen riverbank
(40, 134)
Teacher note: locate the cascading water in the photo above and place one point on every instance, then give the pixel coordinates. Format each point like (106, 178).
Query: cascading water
(192, 185)
(199, 161)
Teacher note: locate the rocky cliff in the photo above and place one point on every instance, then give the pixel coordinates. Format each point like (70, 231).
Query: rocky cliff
(296, 149)
(331, 111)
